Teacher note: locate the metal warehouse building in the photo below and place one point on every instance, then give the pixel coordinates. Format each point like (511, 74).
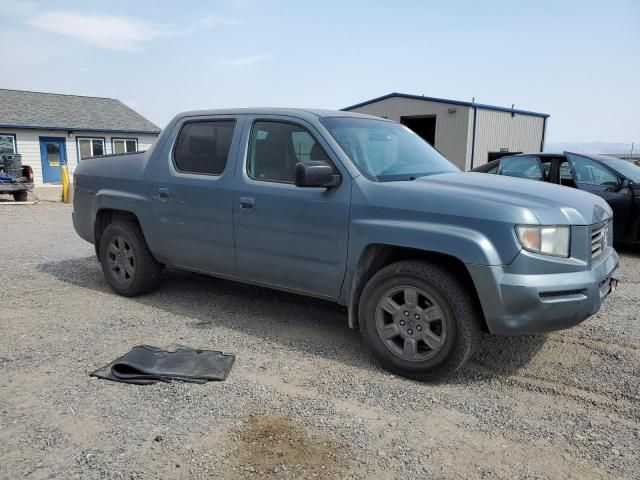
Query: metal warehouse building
(469, 134)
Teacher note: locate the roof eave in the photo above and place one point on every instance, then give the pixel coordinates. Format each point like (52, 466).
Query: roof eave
(448, 102)
(82, 129)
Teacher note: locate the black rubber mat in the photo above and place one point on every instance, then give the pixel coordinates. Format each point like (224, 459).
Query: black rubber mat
(145, 364)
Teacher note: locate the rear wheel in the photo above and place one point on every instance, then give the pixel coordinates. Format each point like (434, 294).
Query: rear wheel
(20, 196)
(127, 263)
(418, 319)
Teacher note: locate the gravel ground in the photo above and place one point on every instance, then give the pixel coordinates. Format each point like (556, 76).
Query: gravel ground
(304, 399)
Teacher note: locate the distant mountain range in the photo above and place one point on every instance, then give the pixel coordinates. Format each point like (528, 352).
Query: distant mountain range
(592, 147)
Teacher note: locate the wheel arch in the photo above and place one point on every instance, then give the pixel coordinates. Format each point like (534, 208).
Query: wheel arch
(105, 216)
(377, 256)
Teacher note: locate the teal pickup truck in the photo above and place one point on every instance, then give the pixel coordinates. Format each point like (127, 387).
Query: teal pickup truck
(354, 209)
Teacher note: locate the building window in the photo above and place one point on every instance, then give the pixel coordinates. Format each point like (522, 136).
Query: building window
(8, 143)
(203, 147)
(124, 145)
(90, 147)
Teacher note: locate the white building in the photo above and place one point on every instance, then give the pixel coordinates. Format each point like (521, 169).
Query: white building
(469, 134)
(48, 129)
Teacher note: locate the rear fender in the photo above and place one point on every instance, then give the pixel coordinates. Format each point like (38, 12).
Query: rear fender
(137, 205)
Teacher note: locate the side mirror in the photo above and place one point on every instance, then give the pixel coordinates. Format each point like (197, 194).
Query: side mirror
(316, 173)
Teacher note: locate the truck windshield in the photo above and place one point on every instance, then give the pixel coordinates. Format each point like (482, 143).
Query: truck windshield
(386, 150)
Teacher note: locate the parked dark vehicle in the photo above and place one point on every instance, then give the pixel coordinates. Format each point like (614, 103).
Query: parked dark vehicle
(15, 179)
(616, 181)
(354, 209)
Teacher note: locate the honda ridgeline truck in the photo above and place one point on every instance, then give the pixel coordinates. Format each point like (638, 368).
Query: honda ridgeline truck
(354, 209)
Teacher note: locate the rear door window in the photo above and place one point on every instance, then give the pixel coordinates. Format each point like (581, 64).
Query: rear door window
(522, 167)
(203, 147)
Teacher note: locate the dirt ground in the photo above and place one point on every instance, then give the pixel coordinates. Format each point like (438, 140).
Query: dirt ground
(304, 399)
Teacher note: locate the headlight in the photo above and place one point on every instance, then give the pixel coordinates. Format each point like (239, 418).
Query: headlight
(546, 240)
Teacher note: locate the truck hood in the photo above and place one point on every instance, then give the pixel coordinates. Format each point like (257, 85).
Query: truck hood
(550, 204)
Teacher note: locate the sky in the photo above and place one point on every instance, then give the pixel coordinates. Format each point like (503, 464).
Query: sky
(578, 61)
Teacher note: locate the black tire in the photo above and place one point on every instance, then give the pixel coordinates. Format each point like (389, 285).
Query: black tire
(127, 263)
(20, 196)
(445, 341)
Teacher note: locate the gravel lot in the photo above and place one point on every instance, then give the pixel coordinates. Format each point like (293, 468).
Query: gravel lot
(304, 399)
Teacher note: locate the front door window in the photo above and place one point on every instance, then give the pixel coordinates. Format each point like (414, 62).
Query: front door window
(276, 147)
(588, 172)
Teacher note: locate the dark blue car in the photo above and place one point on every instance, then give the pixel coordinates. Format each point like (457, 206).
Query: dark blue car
(616, 181)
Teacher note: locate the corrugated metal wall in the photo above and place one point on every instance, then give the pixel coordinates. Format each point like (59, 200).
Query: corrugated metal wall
(498, 130)
(452, 129)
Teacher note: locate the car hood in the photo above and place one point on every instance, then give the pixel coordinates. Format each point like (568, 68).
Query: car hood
(550, 204)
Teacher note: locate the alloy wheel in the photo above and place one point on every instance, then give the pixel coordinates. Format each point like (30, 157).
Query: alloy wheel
(411, 323)
(121, 260)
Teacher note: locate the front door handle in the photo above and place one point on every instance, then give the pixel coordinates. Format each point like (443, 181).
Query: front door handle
(163, 194)
(247, 203)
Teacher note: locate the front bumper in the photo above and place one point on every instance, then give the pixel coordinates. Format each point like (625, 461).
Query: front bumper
(516, 303)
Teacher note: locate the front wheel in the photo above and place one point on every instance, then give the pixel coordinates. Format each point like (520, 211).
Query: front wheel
(418, 320)
(127, 263)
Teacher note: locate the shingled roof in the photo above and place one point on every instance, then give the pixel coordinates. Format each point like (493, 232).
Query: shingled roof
(52, 111)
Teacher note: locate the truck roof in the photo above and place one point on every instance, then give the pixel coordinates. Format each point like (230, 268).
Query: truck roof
(305, 113)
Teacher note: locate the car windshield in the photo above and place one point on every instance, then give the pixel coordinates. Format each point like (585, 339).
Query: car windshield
(386, 150)
(627, 169)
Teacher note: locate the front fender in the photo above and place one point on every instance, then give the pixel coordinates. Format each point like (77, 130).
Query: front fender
(466, 244)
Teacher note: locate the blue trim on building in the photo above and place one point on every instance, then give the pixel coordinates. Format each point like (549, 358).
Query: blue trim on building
(15, 140)
(448, 102)
(73, 129)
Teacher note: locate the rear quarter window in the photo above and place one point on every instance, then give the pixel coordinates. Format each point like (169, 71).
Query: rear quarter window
(203, 147)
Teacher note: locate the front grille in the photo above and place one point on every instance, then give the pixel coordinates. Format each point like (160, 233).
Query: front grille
(599, 239)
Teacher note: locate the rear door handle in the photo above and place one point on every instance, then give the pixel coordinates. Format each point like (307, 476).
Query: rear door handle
(163, 194)
(247, 203)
